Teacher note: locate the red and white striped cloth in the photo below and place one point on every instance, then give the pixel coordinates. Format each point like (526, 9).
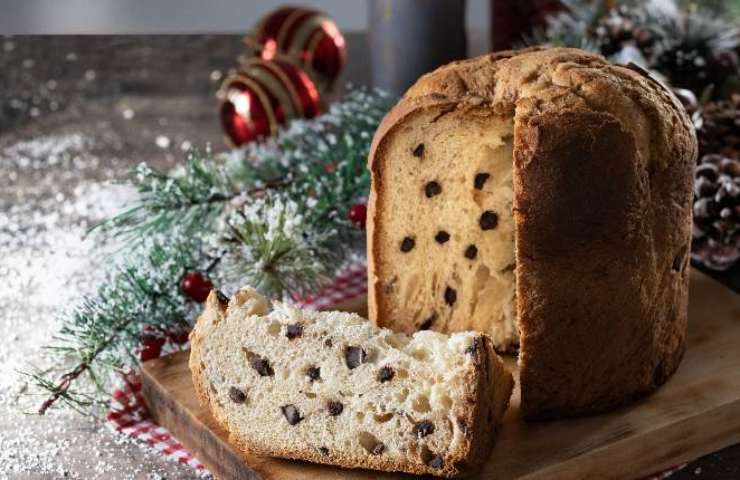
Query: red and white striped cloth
(350, 283)
(129, 416)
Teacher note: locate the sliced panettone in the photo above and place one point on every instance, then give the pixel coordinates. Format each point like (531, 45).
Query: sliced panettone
(542, 197)
(330, 387)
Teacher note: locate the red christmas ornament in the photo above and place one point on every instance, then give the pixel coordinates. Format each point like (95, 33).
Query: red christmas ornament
(304, 35)
(263, 95)
(151, 346)
(358, 214)
(196, 286)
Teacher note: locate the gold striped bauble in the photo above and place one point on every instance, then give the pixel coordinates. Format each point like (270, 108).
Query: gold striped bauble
(263, 95)
(306, 36)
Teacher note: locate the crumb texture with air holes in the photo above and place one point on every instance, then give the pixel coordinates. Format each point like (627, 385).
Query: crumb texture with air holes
(330, 387)
(447, 229)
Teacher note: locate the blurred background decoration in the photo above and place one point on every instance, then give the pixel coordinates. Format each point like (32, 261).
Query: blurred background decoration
(408, 38)
(290, 69)
(308, 36)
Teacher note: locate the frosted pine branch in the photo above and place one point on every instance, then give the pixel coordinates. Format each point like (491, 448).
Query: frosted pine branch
(273, 214)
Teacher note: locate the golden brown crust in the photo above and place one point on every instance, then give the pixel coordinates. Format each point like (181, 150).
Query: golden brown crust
(491, 404)
(602, 207)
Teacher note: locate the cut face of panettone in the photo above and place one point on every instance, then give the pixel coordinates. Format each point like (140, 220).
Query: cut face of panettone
(449, 215)
(542, 197)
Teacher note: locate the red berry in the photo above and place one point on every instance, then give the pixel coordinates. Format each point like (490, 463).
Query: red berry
(179, 336)
(358, 214)
(196, 286)
(151, 347)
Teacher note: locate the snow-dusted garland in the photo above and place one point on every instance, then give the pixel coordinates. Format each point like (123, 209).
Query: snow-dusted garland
(692, 48)
(282, 215)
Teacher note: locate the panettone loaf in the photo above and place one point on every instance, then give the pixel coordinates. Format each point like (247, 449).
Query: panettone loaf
(332, 388)
(543, 197)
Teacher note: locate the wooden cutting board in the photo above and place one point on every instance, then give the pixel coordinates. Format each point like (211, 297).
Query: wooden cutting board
(696, 412)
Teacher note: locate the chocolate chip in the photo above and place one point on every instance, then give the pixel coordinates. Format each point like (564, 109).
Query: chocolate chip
(222, 298)
(407, 244)
(436, 462)
(334, 408)
(480, 180)
(291, 413)
(237, 396)
(442, 236)
(471, 252)
(423, 428)
(313, 373)
(294, 331)
(328, 343)
(419, 150)
(324, 451)
(475, 346)
(354, 356)
(377, 449)
(386, 374)
(489, 220)
(432, 188)
(428, 322)
(262, 366)
(450, 296)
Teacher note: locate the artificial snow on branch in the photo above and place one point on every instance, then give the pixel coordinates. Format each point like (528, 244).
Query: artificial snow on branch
(691, 48)
(273, 215)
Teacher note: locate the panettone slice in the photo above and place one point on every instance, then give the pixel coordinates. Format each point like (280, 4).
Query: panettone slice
(330, 387)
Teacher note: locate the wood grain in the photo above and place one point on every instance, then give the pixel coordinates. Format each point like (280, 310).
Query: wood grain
(696, 412)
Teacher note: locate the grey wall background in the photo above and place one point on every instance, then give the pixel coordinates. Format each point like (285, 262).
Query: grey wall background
(177, 16)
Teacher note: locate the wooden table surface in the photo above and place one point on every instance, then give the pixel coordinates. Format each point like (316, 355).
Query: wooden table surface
(55, 86)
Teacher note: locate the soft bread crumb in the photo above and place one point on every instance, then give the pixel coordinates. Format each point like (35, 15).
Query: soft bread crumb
(331, 387)
(455, 202)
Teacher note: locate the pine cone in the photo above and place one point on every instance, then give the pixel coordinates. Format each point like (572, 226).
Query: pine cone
(697, 51)
(717, 212)
(697, 67)
(718, 128)
(621, 27)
